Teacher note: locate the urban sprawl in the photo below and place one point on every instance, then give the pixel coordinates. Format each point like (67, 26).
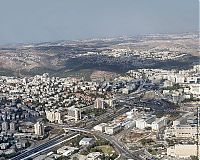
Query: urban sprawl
(142, 114)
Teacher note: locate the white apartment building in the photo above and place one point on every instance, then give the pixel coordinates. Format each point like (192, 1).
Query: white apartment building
(181, 131)
(141, 123)
(100, 127)
(4, 126)
(53, 116)
(12, 126)
(74, 113)
(185, 131)
(39, 128)
(159, 123)
(112, 129)
(109, 102)
(99, 103)
(182, 151)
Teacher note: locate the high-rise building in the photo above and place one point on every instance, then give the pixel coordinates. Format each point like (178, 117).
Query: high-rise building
(110, 102)
(12, 126)
(53, 116)
(77, 114)
(57, 116)
(99, 103)
(74, 113)
(39, 128)
(50, 116)
(4, 126)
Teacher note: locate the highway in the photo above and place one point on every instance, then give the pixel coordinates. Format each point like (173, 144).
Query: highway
(106, 117)
(124, 153)
(60, 138)
(42, 147)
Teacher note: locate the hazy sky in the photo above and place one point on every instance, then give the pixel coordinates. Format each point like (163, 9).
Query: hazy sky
(23, 21)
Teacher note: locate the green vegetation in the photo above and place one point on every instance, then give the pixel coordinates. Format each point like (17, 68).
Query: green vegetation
(84, 152)
(82, 73)
(106, 149)
(152, 151)
(8, 156)
(37, 71)
(101, 142)
(102, 146)
(6, 72)
(146, 141)
(75, 141)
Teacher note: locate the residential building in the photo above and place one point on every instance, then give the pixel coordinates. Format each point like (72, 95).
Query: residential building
(39, 128)
(4, 126)
(99, 103)
(12, 126)
(54, 116)
(74, 113)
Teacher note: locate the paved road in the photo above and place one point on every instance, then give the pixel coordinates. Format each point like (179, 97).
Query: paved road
(124, 153)
(105, 118)
(43, 146)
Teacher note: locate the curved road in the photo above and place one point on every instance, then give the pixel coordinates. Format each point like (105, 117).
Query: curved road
(124, 153)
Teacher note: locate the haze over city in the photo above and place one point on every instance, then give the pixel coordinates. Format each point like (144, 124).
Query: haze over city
(25, 21)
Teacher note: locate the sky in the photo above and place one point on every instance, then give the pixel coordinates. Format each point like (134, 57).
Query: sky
(27, 21)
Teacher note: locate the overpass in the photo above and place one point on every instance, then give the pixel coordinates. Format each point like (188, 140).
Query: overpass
(77, 130)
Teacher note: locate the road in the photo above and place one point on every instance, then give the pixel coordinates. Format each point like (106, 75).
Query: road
(124, 153)
(43, 147)
(60, 138)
